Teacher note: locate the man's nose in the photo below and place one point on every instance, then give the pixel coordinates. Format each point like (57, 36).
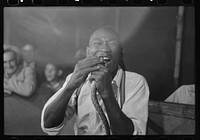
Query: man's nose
(105, 48)
(9, 64)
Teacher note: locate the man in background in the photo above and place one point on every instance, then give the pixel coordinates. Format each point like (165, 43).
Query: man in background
(28, 53)
(53, 82)
(17, 79)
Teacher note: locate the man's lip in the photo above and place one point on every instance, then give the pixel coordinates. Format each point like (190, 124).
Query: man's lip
(101, 54)
(107, 63)
(105, 56)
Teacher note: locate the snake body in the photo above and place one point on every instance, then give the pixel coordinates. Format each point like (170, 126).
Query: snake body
(98, 108)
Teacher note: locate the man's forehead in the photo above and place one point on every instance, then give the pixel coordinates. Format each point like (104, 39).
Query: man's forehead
(28, 48)
(104, 34)
(9, 55)
(49, 65)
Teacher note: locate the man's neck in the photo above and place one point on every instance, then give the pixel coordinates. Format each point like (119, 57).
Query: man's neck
(114, 72)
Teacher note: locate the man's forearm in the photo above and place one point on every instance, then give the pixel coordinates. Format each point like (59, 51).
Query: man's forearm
(120, 124)
(55, 112)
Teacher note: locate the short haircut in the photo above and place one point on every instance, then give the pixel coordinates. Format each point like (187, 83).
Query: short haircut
(57, 66)
(106, 29)
(13, 50)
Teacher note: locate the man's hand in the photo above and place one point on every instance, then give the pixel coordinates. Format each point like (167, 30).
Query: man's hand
(7, 92)
(6, 85)
(82, 69)
(103, 81)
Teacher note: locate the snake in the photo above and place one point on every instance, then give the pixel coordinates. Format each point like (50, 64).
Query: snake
(98, 108)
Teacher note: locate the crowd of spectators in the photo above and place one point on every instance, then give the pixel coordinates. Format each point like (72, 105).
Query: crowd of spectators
(25, 77)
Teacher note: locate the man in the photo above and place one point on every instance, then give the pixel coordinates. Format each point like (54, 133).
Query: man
(28, 53)
(17, 79)
(122, 95)
(53, 82)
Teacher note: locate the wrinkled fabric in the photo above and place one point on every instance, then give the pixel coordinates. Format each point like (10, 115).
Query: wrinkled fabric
(87, 120)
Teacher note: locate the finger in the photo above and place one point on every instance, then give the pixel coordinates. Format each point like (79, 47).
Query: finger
(90, 62)
(98, 72)
(94, 78)
(88, 70)
(102, 67)
(101, 71)
(92, 59)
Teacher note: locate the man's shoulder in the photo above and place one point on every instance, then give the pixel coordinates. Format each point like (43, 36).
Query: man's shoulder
(27, 69)
(134, 79)
(134, 76)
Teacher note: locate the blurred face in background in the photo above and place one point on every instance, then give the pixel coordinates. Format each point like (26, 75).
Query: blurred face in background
(10, 62)
(28, 53)
(51, 72)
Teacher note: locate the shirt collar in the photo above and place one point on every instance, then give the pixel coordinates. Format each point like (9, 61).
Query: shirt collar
(118, 76)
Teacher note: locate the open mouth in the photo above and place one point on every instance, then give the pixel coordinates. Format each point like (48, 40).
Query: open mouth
(105, 59)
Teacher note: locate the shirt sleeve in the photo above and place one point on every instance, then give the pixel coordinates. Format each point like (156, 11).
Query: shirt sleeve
(136, 105)
(25, 83)
(69, 111)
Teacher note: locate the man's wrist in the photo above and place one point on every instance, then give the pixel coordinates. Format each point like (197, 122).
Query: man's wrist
(107, 94)
(70, 89)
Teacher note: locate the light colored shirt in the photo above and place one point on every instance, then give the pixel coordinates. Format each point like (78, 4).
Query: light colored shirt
(87, 120)
(22, 82)
(32, 64)
(184, 95)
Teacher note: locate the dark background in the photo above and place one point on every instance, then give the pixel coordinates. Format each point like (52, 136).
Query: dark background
(148, 35)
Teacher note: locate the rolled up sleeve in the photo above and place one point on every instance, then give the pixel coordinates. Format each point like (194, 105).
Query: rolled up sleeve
(25, 83)
(69, 112)
(136, 105)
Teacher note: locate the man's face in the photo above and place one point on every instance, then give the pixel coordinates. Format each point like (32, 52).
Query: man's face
(51, 72)
(28, 53)
(10, 63)
(105, 43)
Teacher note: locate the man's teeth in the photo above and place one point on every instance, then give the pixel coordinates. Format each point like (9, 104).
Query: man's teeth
(106, 59)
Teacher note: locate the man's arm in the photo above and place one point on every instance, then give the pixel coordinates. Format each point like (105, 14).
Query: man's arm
(135, 108)
(133, 116)
(25, 84)
(54, 113)
(6, 87)
(120, 124)
(54, 110)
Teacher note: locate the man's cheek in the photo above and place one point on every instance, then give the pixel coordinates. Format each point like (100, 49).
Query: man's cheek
(92, 53)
